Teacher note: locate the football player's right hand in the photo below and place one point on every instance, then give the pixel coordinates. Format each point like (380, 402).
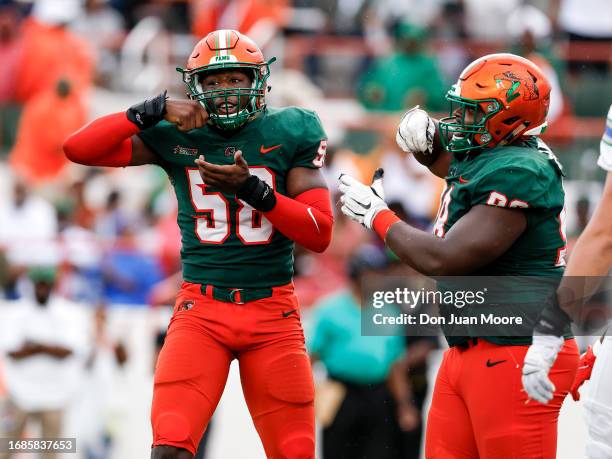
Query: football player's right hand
(415, 133)
(186, 114)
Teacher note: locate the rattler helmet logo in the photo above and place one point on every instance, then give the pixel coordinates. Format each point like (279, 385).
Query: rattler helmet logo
(530, 92)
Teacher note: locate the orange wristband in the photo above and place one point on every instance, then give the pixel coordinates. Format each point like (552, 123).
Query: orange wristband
(383, 221)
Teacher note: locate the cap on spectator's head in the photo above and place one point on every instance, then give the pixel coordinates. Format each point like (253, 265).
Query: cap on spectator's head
(46, 274)
(409, 31)
(530, 19)
(368, 257)
(57, 12)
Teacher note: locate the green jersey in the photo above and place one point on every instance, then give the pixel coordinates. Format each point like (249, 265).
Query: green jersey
(225, 242)
(526, 176)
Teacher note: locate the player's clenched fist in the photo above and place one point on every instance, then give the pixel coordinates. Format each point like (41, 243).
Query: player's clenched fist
(186, 114)
(415, 133)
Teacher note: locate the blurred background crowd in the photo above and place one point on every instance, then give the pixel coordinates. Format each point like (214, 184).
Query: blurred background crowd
(100, 248)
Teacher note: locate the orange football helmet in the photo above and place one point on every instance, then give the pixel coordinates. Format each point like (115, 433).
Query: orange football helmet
(507, 97)
(227, 50)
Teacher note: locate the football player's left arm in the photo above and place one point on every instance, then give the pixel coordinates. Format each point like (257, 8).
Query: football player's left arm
(304, 215)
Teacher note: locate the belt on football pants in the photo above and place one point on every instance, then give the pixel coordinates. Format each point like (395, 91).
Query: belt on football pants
(471, 342)
(236, 295)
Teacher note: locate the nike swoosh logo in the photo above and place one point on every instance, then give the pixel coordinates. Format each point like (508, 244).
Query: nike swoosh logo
(492, 364)
(313, 219)
(288, 313)
(462, 180)
(263, 150)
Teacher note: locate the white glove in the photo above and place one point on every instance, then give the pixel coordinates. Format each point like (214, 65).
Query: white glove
(539, 359)
(415, 132)
(362, 202)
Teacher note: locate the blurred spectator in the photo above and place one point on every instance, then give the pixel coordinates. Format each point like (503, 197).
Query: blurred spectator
(129, 276)
(46, 38)
(107, 357)
(11, 48)
(356, 407)
(259, 19)
(11, 51)
(28, 228)
(169, 243)
(487, 19)
(45, 341)
(584, 21)
(112, 218)
(345, 17)
(583, 214)
(408, 77)
(532, 29)
(82, 248)
(45, 123)
(413, 368)
(403, 172)
(423, 12)
(103, 27)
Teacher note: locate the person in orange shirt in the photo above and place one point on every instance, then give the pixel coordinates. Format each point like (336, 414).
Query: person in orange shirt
(256, 18)
(50, 46)
(45, 123)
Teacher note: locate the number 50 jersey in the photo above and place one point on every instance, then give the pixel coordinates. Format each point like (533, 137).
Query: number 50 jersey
(225, 242)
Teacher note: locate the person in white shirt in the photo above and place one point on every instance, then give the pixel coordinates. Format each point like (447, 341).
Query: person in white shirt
(28, 227)
(44, 340)
(591, 259)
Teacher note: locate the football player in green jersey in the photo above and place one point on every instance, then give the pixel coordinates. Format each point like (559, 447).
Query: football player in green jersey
(248, 186)
(502, 213)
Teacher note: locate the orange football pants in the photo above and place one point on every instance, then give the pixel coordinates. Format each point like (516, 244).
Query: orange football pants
(266, 337)
(479, 409)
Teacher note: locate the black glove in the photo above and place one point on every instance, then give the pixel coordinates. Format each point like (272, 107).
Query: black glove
(553, 320)
(148, 113)
(257, 193)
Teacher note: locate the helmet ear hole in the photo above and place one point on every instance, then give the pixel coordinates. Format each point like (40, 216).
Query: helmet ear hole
(510, 121)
